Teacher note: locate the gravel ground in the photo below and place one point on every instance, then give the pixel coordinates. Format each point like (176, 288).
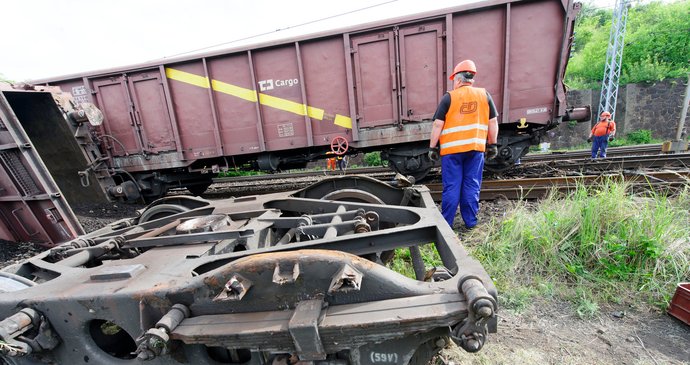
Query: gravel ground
(91, 217)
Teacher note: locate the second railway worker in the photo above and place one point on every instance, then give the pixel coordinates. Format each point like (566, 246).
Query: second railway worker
(466, 125)
(602, 133)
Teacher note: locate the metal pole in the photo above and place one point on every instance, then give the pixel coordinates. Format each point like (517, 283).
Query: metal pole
(684, 113)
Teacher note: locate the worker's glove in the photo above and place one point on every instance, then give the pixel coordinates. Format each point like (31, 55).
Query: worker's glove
(611, 138)
(589, 140)
(433, 154)
(491, 151)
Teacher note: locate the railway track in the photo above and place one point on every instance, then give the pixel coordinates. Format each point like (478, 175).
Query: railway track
(521, 188)
(533, 188)
(538, 174)
(619, 157)
(647, 149)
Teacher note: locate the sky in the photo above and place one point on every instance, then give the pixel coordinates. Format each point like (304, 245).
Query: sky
(47, 38)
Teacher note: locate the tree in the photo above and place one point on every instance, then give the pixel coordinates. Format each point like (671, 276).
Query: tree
(657, 44)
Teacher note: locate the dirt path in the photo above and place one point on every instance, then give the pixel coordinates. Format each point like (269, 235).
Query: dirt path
(547, 334)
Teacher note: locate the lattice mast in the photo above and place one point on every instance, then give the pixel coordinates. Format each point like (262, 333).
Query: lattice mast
(614, 57)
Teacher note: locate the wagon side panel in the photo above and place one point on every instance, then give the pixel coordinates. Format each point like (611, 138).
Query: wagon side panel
(282, 108)
(237, 104)
(535, 45)
(480, 36)
(189, 91)
(326, 88)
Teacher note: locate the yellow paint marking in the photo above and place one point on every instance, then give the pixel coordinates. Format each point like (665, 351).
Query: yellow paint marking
(186, 77)
(315, 113)
(343, 121)
(240, 92)
(251, 95)
(282, 104)
(523, 123)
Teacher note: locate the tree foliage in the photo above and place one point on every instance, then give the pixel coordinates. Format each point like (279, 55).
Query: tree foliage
(657, 44)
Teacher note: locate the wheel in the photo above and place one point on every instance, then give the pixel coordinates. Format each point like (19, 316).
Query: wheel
(339, 145)
(418, 175)
(497, 167)
(160, 211)
(353, 195)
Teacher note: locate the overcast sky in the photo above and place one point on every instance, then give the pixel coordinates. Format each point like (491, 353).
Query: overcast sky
(44, 38)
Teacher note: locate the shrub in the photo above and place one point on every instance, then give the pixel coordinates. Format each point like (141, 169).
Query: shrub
(642, 136)
(372, 159)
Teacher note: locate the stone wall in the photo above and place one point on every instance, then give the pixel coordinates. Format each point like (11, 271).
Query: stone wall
(653, 106)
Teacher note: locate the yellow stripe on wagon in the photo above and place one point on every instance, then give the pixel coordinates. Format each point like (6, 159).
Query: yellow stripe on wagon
(186, 77)
(240, 92)
(251, 95)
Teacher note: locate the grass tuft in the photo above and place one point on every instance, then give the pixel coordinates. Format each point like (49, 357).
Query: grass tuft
(600, 244)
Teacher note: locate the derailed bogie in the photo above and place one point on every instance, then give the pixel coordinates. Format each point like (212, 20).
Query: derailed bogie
(266, 279)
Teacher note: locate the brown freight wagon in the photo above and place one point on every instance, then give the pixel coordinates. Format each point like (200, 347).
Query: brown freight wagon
(371, 87)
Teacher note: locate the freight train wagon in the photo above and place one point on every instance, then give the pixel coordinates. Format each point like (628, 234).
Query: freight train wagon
(370, 87)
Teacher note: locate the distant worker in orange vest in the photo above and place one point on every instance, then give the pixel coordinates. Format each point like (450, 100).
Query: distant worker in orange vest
(330, 161)
(602, 133)
(466, 124)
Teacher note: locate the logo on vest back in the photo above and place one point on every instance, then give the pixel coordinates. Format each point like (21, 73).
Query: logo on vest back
(468, 108)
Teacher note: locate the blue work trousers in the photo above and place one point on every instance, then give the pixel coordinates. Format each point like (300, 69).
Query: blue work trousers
(462, 178)
(599, 145)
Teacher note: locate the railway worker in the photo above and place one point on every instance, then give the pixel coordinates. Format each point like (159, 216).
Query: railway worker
(602, 133)
(330, 161)
(466, 124)
(340, 161)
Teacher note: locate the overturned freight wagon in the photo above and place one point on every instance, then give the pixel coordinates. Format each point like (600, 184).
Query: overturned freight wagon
(281, 104)
(32, 205)
(274, 279)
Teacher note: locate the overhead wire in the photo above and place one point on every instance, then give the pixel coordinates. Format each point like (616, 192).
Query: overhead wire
(282, 29)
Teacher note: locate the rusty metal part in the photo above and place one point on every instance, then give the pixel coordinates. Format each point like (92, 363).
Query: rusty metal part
(26, 332)
(155, 342)
(286, 277)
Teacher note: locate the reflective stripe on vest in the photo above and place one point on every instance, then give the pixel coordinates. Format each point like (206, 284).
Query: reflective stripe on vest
(467, 121)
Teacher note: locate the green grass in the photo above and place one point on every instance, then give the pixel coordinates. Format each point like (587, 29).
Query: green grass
(402, 262)
(594, 246)
(236, 173)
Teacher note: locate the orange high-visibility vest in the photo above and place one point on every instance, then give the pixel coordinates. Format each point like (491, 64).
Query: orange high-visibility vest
(467, 121)
(603, 128)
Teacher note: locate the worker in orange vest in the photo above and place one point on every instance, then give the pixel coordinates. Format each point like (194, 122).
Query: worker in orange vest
(330, 161)
(466, 125)
(602, 133)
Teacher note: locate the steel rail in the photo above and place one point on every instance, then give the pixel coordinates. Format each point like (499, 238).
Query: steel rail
(533, 188)
(646, 149)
